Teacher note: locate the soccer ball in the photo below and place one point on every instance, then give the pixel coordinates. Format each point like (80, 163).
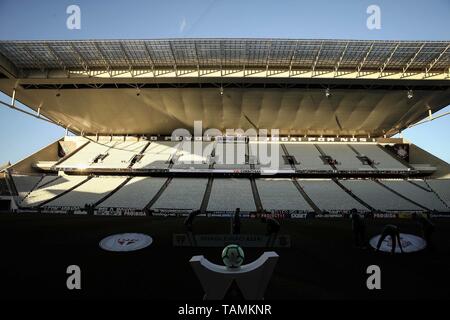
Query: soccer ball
(233, 256)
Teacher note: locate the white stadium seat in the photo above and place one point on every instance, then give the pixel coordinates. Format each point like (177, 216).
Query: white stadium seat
(120, 155)
(182, 194)
(378, 196)
(268, 155)
(194, 155)
(442, 188)
(382, 159)
(136, 194)
(157, 155)
(308, 156)
(83, 158)
(417, 191)
(88, 193)
(51, 190)
(229, 194)
(230, 155)
(345, 157)
(281, 194)
(25, 183)
(327, 195)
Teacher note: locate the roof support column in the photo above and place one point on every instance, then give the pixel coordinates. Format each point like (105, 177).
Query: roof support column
(13, 98)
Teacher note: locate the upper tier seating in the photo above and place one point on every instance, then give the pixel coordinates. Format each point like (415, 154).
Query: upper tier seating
(281, 194)
(268, 155)
(382, 159)
(182, 194)
(194, 155)
(327, 195)
(307, 156)
(346, 158)
(230, 155)
(113, 154)
(158, 155)
(84, 157)
(120, 155)
(229, 194)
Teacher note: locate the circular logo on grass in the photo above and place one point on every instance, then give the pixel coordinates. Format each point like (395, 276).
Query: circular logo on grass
(126, 242)
(410, 243)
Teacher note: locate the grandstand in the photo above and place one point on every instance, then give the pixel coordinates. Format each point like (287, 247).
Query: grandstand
(278, 194)
(345, 158)
(442, 189)
(381, 159)
(328, 196)
(274, 157)
(157, 155)
(307, 157)
(135, 195)
(132, 147)
(24, 184)
(90, 192)
(418, 191)
(377, 196)
(55, 187)
(229, 194)
(231, 155)
(182, 194)
(190, 157)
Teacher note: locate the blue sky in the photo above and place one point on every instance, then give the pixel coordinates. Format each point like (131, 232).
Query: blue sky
(140, 19)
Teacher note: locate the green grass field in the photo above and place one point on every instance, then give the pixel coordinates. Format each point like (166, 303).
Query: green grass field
(321, 264)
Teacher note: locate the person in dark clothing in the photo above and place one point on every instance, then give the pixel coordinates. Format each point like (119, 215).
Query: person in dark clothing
(359, 229)
(273, 227)
(427, 227)
(236, 222)
(393, 232)
(188, 222)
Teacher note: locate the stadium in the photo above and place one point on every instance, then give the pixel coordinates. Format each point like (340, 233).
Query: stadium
(305, 131)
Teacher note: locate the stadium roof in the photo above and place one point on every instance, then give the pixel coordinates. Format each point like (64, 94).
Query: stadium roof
(156, 86)
(314, 55)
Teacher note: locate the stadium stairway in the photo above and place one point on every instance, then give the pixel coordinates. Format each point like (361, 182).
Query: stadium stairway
(141, 153)
(35, 186)
(42, 204)
(157, 195)
(49, 182)
(206, 195)
(351, 194)
(112, 192)
(306, 196)
(67, 156)
(286, 152)
(359, 154)
(256, 197)
(436, 194)
(325, 155)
